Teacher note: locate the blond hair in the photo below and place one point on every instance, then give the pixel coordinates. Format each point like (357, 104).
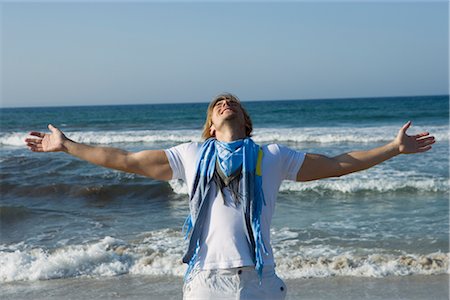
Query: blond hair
(208, 123)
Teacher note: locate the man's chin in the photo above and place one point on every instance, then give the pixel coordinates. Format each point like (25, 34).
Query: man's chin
(229, 116)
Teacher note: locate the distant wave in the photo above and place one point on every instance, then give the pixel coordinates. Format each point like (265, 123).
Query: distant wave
(112, 137)
(378, 185)
(321, 135)
(93, 191)
(381, 182)
(159, 253)
(162, 189)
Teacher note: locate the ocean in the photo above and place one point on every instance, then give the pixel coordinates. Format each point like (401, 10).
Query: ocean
(62, 218)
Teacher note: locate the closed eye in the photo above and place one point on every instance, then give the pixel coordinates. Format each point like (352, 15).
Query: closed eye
(231, 102)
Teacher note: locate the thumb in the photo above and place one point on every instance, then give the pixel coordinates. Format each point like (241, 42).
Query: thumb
(406, 126)
(52, 128)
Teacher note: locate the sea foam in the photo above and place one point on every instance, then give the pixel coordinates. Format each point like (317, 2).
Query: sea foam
(159, 253)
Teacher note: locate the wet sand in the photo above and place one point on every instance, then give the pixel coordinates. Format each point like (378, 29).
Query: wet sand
(421, 287)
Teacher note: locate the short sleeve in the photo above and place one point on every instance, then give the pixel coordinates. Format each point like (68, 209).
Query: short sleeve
(182, 160)
(175, 157)
(290, 160)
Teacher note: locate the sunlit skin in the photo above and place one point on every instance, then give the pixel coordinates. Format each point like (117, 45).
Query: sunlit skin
(228, 123)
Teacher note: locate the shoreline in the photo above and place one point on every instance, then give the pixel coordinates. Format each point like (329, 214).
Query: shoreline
(167, 287)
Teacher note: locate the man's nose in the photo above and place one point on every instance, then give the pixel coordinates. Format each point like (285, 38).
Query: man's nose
(226, 102)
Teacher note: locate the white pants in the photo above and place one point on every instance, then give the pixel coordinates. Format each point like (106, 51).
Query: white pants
(236, 283)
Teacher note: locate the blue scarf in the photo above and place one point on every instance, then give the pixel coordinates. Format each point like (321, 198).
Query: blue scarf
(230, 156)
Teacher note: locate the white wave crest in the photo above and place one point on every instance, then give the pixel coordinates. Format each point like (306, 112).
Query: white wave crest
(325, 135)
(374, 265)
(370, 181)
(363, 184)
(178, 187)
(322, 135)
(299, 259)
(72, 261)
(159, 253)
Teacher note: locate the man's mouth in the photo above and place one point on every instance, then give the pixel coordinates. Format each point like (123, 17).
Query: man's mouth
(228, 108)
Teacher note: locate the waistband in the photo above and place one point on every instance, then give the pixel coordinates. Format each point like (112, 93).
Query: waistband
(267, 270)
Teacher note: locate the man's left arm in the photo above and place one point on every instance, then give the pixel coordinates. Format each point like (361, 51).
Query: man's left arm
(317, 166)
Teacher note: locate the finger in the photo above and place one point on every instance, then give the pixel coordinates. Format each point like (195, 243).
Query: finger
(431, 142)
(425, 144)
(38, 134)
(422, 134)
(37, 149)
(425, 139)
(33, 140)
(33, 145)
(423, 149)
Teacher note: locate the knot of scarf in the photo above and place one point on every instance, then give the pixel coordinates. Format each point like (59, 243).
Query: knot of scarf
(231, 156)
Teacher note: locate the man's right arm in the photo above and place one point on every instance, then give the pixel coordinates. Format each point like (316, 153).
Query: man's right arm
(150, 163)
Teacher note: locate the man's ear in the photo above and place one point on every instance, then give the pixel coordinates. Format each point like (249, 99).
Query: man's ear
(212, 130)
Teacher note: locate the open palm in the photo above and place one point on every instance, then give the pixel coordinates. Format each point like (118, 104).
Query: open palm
(46, 142)
(408, 144)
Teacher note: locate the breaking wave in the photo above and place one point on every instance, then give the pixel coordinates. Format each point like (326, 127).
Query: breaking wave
(321, 135)
(159, 253)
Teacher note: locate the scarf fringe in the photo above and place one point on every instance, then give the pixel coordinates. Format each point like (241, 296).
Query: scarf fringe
(187, 227)
(191, 263)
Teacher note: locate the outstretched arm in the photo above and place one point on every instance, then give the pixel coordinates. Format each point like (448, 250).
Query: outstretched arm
(318, 166)
(150, 163)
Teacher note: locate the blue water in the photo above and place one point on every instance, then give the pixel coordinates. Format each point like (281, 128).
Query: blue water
(278, 114)
(52, 203)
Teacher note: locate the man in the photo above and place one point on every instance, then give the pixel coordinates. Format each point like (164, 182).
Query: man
(233, 184)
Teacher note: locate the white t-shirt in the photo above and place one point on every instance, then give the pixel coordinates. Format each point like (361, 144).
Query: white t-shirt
(224, 243)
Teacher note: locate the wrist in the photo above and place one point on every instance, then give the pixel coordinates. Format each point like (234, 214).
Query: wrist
(394, 148)
(65, 144)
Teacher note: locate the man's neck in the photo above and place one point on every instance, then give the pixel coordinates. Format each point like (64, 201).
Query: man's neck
(228, 134)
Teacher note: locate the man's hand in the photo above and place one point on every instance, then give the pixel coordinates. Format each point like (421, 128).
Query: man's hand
(316, 166)
(408, 144)
(150, 163)
(45, 142)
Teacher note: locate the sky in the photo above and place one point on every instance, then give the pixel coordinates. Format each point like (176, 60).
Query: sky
(114, 52)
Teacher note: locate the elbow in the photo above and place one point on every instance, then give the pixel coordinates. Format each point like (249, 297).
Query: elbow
(338, 173)
(336, 170)
(341, 171)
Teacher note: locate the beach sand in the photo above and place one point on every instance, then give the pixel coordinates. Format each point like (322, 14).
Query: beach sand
(421, 287)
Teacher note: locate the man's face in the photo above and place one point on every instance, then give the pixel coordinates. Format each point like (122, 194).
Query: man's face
(227, 110)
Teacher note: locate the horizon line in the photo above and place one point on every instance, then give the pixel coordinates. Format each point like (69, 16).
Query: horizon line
(202, 102)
